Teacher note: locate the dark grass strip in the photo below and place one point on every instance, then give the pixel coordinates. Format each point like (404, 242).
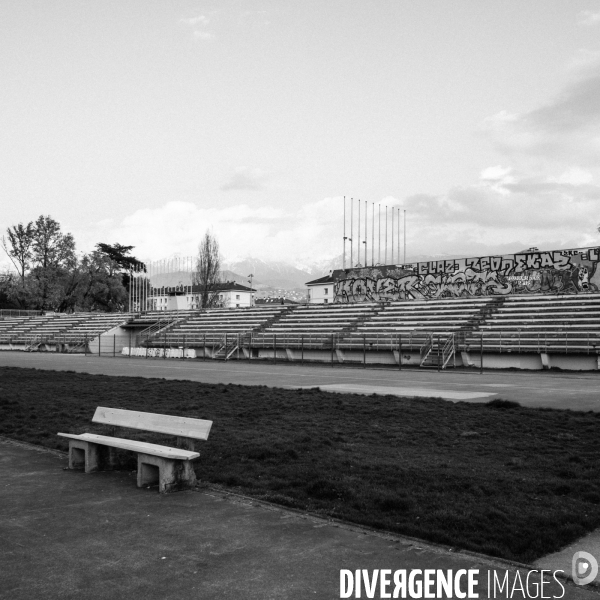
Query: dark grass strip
(513, 482)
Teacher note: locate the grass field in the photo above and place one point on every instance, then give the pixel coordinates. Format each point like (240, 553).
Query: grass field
(508, 481)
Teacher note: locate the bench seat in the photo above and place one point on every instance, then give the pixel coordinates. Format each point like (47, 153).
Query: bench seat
(133, 445)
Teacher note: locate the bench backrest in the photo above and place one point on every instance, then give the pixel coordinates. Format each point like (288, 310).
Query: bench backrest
(197, 429)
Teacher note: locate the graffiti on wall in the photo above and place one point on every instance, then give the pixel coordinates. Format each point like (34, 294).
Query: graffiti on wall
(554, 272)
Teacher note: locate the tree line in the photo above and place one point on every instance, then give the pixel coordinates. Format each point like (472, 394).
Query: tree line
(50, 276)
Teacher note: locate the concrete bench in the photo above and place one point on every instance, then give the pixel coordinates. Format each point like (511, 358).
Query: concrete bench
(170, 467)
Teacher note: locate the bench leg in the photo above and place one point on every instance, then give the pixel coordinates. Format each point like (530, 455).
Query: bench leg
(168, 473)
(86, 454)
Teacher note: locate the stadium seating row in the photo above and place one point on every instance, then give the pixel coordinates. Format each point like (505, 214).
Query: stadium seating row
(512, 323)
(68, 328)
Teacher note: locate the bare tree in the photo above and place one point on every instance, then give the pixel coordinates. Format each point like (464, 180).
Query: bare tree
(208, 271)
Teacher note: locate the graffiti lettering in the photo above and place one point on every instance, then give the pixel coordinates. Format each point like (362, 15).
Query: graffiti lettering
(560, 271)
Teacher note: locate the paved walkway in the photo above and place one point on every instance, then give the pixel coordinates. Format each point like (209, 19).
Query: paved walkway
(573, 390)
(67, 535)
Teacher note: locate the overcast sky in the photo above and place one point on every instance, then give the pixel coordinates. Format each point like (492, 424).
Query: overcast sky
(145, 122)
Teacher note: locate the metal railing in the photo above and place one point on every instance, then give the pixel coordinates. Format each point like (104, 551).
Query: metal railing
(448, 350)
(322, 347)
(426, 348)
(15, 312)
(161, 325)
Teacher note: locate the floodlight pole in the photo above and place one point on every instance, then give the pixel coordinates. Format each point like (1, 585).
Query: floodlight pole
(358, 231)
(344, 242)
(386, 232)
(404, 236)
(379, 235)
(392, 234)
(372, 233)
(398, 231)
(366, 233)
(351, 230)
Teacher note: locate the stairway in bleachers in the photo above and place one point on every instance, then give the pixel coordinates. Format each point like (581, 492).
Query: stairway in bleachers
(409, 323)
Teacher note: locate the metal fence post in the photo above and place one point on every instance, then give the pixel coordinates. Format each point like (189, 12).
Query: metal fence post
(481, 355)
(332, 349)
(438, 353)
(130, 344)
(302, 347)
(204, 353)
(364, 351)
(400, 352)
(114, 344)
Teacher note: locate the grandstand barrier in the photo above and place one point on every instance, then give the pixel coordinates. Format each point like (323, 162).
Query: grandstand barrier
(497, 350)
(569, 351)
(16, 312)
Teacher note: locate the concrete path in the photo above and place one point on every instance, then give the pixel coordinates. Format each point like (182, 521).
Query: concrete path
(563, 558)
(573, 390)
(67, 535)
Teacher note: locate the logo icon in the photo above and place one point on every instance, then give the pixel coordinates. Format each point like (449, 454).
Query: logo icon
(584, 568)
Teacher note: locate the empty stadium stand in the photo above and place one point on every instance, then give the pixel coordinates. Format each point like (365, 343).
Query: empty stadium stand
(542, 324)
(424, 332)
(314, 325)
(411, 322)
(57, 328)
(212, 324)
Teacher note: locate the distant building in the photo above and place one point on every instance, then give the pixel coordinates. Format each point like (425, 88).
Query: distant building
(320, 291)
(280, 300)
(231, 295)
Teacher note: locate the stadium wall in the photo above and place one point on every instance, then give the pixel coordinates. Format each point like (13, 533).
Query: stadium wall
(572, 271)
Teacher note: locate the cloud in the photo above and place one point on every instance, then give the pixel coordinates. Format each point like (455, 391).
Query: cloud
(574, 176)
(497, 173)
(199, 25)
(245, 178)
(503, 211)
(584, 59)
(199, 20)
(264, 232)
(588, 18)
(255, 18)
(204, 35)
(543, 190)
(565, 129)
(527, 211)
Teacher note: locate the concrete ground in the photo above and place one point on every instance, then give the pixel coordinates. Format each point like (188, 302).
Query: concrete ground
(572, 390)
(67, 535)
